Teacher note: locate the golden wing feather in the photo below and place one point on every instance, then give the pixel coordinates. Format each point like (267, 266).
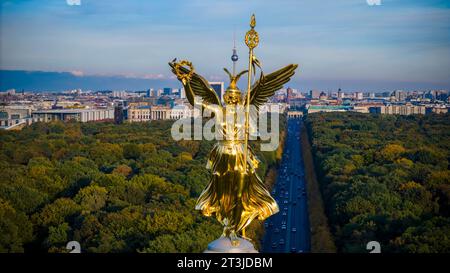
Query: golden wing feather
(197, 86)
(266, 86)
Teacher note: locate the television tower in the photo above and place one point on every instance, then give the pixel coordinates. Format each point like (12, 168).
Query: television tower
(234, 57)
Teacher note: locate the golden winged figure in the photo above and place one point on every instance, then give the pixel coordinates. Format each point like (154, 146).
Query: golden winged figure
(235, 194)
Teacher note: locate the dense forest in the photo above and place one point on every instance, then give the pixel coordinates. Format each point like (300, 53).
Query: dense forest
(384, 178)
(113, 188)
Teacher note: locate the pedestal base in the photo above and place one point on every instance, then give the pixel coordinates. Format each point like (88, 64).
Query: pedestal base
(223, 245)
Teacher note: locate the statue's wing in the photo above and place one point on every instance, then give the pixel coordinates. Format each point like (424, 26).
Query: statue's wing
(197, 86)
(266, 86)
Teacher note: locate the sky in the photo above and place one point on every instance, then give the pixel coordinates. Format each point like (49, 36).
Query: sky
(400, 44)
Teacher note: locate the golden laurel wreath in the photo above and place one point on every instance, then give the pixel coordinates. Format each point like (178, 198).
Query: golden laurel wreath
(251, 38)
(181, 75)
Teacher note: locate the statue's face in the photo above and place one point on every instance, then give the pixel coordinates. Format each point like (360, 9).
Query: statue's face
(232, 98)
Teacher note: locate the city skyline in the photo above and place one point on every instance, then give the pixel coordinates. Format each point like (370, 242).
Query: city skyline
(115, 45)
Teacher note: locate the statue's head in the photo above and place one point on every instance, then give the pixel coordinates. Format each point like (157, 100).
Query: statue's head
(233, 95)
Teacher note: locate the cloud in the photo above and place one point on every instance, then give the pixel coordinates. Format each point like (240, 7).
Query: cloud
(142, 76)
(73, 2)
(77, 73)
(126, 75)
(154, 76)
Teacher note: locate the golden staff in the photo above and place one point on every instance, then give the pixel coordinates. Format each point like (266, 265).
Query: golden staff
(251, 40)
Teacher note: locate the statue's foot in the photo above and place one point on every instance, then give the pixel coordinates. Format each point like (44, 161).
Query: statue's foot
(234, 239)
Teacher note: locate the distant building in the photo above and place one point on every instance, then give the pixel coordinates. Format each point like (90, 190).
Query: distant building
(314, 94)
(404, 109)
(294, 114)
(9, 92)
(181, 111)
(82, 115)
(323, 96)
(139, 113)
(219, 88)
(399, 95)
(119, 94)
(273, 107)
(436, 109)
(358, 95)
(167, 91)
(289, 95)
(14, 115)
(340, 94)
(147, 113)
(165, 101)
(119, 113)
(328, 108)
(176, 92)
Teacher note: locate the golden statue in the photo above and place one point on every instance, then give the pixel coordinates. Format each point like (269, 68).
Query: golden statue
(235, 194)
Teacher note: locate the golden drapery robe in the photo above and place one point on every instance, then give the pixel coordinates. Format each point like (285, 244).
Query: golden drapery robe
(235, 196)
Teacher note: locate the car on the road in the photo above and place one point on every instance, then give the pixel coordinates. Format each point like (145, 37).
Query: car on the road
(284, 213)
(283, 222)
(277, 230)
(274, 245)
(281, 241)
(285, 201)
(293, 250)
(283, 227)
(294, 229)
(266, 224)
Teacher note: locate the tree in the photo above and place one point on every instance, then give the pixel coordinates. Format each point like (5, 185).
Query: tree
(15, 229)
(57, 212)
(131, 151)
(92, 198)
(58, 235)
(122, 169)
